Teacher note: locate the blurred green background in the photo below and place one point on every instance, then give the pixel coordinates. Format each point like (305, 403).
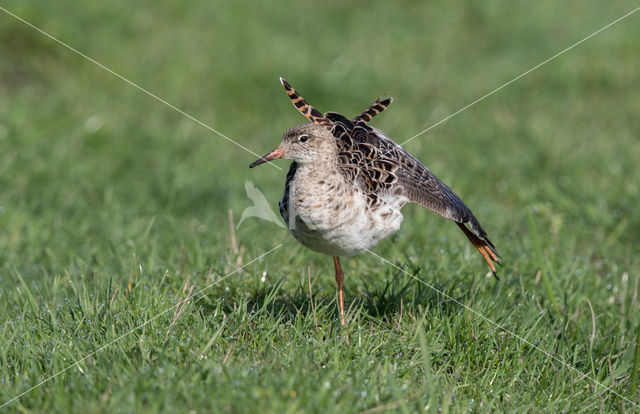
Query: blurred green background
(112, 204)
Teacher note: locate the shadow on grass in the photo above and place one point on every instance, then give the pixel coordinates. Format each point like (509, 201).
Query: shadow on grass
(379, 300)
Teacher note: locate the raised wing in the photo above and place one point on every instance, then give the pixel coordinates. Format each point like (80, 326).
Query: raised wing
(379, 165)
(374, 109)
(311, 113)
(363, 119)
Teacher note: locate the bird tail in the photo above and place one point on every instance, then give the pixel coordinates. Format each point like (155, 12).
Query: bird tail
(477, 236)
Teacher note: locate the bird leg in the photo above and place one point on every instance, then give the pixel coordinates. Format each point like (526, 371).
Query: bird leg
(340, 282)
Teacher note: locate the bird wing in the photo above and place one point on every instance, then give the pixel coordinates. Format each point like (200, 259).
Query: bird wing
(284, 202)
(379, 165)
(367, 115)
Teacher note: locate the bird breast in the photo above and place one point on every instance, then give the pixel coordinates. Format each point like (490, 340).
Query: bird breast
(328, 215)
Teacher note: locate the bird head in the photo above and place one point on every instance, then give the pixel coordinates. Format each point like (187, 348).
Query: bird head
(303, 144)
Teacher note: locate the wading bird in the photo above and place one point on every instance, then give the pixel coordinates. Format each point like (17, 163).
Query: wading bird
(348, 181)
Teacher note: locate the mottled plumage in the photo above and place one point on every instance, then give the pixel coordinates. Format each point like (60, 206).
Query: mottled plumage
(348, 181)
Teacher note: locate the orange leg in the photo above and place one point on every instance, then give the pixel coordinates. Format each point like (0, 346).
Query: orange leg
(340, 281)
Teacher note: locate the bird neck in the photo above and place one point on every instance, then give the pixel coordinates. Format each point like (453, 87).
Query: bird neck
(325, 160)
(323, 165)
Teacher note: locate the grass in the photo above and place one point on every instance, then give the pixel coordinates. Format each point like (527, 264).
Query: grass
(114, 207)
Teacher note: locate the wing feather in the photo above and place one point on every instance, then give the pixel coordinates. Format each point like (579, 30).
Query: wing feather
(378, 165)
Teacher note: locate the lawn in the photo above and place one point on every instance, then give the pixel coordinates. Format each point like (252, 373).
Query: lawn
(115, 208)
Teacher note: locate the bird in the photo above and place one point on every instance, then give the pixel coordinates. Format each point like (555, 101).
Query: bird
(348, 181)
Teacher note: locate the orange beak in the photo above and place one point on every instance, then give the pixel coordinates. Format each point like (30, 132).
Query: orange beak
(273, 155)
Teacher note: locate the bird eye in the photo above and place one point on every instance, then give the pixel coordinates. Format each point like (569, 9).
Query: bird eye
(303, 138)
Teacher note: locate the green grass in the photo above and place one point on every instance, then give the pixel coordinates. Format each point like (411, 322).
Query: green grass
(112, 206)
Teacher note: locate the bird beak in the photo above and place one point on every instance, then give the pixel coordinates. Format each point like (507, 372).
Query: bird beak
(273, 155)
